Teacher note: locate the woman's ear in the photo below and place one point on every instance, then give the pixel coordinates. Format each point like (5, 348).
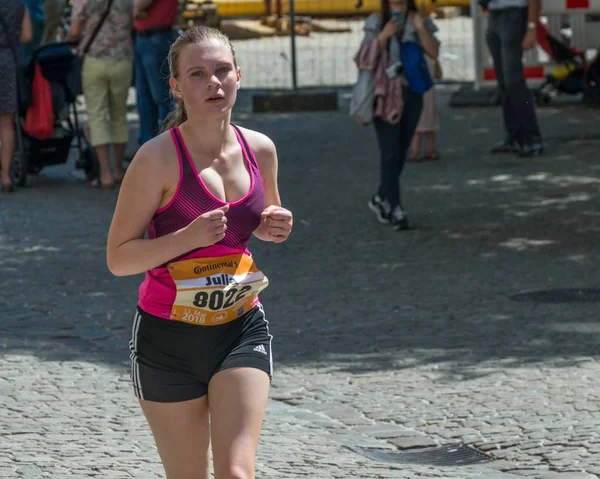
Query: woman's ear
(239, 77)
(174, 84)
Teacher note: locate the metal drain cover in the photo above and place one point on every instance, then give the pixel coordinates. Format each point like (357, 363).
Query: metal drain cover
(448, 455)
(571, 295)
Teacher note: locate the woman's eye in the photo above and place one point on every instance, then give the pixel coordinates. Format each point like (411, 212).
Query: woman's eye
(197, 74)
(223, 70)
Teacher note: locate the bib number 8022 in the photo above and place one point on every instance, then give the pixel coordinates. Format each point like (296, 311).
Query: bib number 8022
(220, 299)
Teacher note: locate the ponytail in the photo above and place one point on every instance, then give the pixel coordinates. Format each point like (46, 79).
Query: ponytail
(177, 117)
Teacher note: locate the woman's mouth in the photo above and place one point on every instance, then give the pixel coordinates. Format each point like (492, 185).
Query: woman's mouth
(214, 99)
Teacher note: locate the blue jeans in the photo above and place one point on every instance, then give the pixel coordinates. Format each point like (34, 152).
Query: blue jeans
(394, 141)
(506, 29)
(152, 82)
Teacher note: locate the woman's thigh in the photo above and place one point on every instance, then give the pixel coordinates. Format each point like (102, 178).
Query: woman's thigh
(238, 399)
(181, 433)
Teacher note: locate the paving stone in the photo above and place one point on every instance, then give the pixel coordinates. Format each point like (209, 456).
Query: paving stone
(417, 342)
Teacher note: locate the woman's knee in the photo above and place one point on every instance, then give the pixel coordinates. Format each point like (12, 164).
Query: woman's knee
(6, 121)
(235, 471)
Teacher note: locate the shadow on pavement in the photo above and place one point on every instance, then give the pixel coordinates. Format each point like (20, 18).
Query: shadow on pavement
(346, 292)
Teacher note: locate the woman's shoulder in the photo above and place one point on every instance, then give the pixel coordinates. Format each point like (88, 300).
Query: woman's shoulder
(159, 155)
(373, 22)
(263, 147)
(259, 142)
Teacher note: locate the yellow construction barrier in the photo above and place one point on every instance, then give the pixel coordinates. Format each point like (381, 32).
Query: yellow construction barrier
(257, 8)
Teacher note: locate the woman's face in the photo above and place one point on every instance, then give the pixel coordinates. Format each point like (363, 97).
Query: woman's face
(208, 79)
(398, 5)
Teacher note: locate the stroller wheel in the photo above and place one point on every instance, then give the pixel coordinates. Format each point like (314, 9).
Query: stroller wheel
(20, 167)
(543, 99)
(89, 164)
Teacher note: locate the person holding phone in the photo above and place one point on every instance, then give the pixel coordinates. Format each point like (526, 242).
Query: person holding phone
(397, 108)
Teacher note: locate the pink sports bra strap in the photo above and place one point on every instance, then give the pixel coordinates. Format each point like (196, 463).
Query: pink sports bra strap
(247, 149)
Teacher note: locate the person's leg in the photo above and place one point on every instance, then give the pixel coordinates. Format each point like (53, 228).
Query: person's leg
(387, 135)
(432, 153)
(95, 81)
(413, 106)
(172, 396)
(120, 79)
(494, 42)
(181, 433)
(147, 109)
(415, 150)
(7, 137)
(519, 96)
(157, 68)
(237, 400)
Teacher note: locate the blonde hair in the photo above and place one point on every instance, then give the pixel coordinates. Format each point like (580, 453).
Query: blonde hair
(195, 35)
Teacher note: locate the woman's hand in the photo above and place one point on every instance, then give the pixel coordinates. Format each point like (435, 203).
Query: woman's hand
(417, 20)
(207, 229)
(279, 223)
(389, 30)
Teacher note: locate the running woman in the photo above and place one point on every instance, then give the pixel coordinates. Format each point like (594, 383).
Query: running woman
(188, 206)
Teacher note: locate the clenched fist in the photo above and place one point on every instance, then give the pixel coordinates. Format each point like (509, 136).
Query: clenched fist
(207, 229)
(278, 222)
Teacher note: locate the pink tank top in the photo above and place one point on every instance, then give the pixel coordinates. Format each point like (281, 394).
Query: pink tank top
(192, 199)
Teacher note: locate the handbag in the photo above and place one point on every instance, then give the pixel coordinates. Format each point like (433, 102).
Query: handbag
(76, 84)
(39, 119)
(415, 67)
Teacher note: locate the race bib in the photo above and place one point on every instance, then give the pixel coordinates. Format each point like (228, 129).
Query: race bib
(213, 291)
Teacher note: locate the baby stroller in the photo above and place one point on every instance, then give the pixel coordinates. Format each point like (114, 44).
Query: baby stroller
(569, 72)
(58, 64)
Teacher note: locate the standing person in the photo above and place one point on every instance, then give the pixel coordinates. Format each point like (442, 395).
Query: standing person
(15, 29)
(36, 14)
(201, 345)
(154, 34)
(511, 30)
(428, 123)
(398, 108)
(106, 77)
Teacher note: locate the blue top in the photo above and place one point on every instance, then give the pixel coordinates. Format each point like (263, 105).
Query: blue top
(36, 10)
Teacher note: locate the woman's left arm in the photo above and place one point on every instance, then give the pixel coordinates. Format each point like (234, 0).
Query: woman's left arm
(277, 222)
(429, 42)
(78, 18)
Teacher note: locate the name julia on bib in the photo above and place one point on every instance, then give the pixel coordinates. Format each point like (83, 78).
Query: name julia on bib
(213, 291)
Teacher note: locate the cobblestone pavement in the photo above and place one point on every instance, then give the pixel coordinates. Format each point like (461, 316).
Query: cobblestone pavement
(383, 340)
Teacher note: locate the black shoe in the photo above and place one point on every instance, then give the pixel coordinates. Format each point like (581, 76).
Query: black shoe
(506, 147)
(399, 219)
(381, 208)
(531, 149)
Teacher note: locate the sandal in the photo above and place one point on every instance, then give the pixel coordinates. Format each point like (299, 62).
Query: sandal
(414, 159)
(7, 188)
(96, 184)
(433, 156)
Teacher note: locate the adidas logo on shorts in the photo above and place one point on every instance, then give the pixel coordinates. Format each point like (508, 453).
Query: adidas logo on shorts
(260, 349)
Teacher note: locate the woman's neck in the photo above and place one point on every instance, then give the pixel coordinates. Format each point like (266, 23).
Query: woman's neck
(208, 136)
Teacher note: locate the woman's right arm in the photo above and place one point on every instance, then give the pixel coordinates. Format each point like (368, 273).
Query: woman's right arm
(388, 31)
(26, 27)
(140, 195)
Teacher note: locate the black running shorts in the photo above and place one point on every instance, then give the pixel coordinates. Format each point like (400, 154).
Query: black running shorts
(172, 361)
